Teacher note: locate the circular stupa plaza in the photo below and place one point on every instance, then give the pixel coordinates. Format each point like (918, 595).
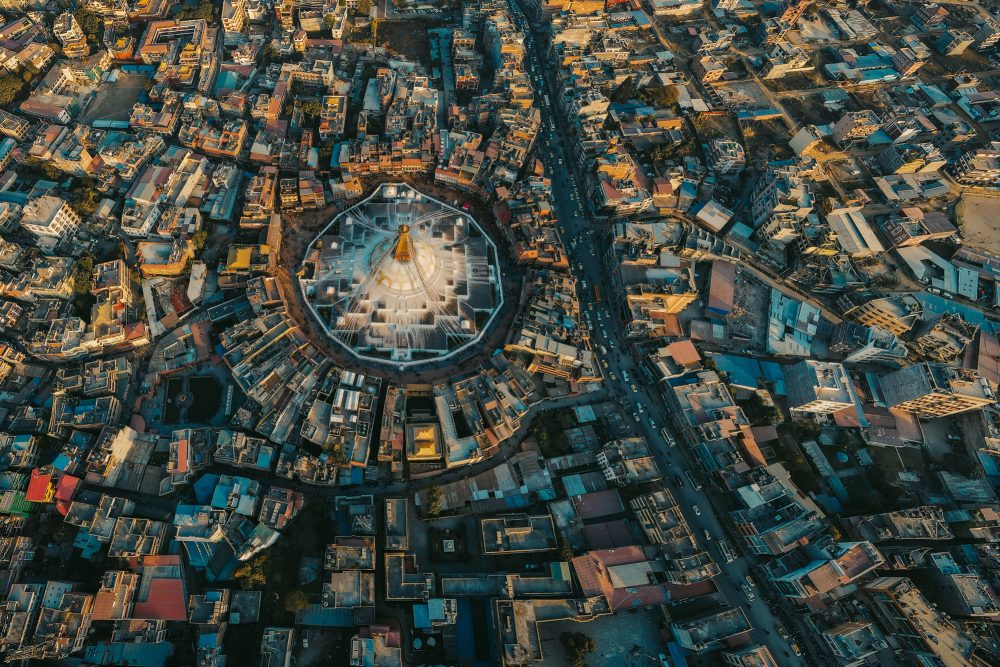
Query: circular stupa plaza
(404, 278)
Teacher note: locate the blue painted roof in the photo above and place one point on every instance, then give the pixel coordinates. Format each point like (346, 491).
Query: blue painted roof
(327, 617)
(936, 305)
(142, 654)
(204, 487)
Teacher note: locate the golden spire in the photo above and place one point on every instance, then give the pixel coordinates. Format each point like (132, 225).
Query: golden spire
(403, 252)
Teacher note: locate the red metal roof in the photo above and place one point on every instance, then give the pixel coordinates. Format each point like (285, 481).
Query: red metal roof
(608, 535)
(66, 487)
(598, 504)
(39, 487)
(166, 601)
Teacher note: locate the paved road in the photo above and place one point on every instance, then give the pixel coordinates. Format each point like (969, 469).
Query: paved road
(582, 240)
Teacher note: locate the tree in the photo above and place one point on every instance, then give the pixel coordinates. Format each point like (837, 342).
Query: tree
(253, 573)
(661, 96)
(84, 196)
(295, 600)
(10, 88)
(624, 92)
(434, 501)
(565, 550)
(198, 240)
(90, 23)
(577, 645)
(47, 169)
(204, 10)
(363, 8)
(82, 274)
(312, 108)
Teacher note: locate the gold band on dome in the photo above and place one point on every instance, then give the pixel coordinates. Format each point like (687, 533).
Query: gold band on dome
(403, 252)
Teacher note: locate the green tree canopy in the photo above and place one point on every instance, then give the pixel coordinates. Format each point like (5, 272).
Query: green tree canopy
(10, 87)
(312, 108)
(434, 501)
(198, 240)
(82, 274)
(253, 573)
(576, 646)
(90, 23)
(295, 600)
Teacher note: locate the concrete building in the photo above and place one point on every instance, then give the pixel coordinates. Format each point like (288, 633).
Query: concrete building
(67, 30)
(49, 217)
(855, 127)
(897, 314)
(775, 516)
(934, 390)
(819, 387)
(922, 632)
(853, 641)
(726, 156)
(978, 166)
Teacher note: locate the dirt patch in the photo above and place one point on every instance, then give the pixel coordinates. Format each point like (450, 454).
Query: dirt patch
(767, 140)
(810, 109)
(407, 38)
(977, 217)
(715, 126)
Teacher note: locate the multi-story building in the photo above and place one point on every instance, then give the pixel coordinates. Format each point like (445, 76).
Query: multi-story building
(860, 344)
(923, 633)
(913, 226)
(50, 217)
(953, 42)
(855, 126)
(13, 126)
(978, 166)
(785, 58)
(816, 575)
(853, 641)
(726, 156)
(819, 387)
(775, 516)
(70, 36)
(234, 16)
(943, 339)
(934, 390)
(897, 315)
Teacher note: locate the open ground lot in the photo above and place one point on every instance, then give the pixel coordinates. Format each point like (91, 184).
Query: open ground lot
(116, 105)
(408, 38)
(615, 636)
(978, 221)
(767, 140)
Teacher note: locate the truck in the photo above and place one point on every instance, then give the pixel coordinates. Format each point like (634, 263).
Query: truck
(726, 550)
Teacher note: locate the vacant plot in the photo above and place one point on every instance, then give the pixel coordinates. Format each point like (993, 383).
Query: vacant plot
(849, 173)
(114, 101)
(810, 109)
(407, 38)
(713, 126)
(767, 140)
(746, 92)
(978, 221)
